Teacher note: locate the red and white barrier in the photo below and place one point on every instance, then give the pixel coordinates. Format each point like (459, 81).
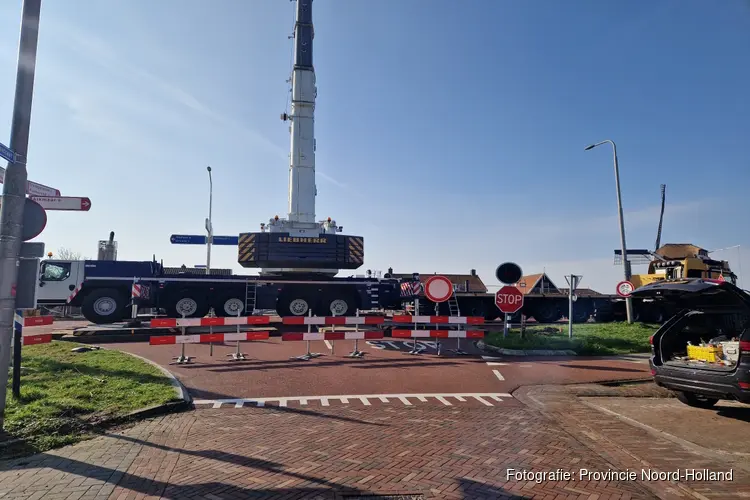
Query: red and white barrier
(287, 337)
(206, 338)
(437, 334)
(36, 339)
(333, 320)
(172, 323)
(439, 320)
(38, 320)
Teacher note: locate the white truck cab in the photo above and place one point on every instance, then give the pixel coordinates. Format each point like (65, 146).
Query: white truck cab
(57, 280)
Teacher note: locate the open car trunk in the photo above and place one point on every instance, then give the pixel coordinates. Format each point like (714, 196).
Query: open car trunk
(713, 317)
(707, 340)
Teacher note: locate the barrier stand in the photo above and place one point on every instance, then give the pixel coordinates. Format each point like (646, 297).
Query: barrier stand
(182, 359)
(437, 339)
(308, 355)
(211, 344)
(414, 349)
(237, 355)
(333, 329)
(356, 353)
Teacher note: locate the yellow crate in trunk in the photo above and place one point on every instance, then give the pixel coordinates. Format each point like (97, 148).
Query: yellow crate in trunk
(710, 354)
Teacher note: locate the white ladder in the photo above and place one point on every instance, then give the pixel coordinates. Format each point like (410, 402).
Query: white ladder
(453, 304)
(251, 293)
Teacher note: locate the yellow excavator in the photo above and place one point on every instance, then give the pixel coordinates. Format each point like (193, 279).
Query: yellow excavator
(667, 262)
(683, 260)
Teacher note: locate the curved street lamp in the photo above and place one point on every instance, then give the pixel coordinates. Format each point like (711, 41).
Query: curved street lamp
(625, 261)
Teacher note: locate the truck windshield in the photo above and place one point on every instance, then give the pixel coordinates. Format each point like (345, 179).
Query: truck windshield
(55, 272)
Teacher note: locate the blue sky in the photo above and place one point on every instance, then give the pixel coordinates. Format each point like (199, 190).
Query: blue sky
(450, 134)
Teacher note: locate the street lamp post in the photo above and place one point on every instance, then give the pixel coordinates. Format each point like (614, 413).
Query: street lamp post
(625, 261)
(209, 224)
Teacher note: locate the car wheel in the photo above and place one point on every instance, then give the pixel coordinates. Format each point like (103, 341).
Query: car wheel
(696, 400)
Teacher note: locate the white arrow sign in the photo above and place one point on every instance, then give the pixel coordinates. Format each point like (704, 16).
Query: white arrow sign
(80, 204)
(34, 189)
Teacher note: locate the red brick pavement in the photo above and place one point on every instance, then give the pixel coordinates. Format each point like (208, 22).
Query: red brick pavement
(270, 373)
(438, 452)
(635, 448)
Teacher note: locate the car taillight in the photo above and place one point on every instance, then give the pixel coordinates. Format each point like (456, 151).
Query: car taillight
(651, 339)
(744, 385)
(653, 372)
(745, 347)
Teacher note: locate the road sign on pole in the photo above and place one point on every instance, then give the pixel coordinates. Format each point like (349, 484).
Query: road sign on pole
(226, 240)
(438, 289)
(187, 239)
(34, 219)
(508, 273)
(33, 188)
(509, 299)
(74, 203)
(7, 153)
(624, 288)
(199, 239)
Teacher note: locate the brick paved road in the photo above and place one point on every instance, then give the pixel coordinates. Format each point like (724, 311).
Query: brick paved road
(456, 452)
(270, 373)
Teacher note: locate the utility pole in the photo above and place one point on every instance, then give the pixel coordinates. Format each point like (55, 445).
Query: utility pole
(14, 186)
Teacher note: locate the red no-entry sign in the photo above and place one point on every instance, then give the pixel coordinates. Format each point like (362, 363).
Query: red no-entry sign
(509, 299)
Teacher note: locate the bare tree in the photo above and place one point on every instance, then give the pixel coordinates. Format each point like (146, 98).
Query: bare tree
(68, 254)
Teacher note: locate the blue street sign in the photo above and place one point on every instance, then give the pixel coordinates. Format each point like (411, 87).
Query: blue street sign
(199, 266)
(187, 239)
(7, 153)
(226, 240)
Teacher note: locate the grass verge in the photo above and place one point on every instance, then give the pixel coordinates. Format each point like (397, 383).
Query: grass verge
(66, 395)
(589, 339)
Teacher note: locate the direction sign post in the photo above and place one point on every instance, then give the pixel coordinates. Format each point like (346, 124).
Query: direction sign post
(199, 239)
(14, 197)
(75, 203)
(34, 219)
(573, 282)
(33, 188)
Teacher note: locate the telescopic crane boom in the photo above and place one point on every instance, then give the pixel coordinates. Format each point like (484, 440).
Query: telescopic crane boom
(299, 244)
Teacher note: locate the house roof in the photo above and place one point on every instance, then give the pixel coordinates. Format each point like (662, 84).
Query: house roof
(527, 283)
(475, 282)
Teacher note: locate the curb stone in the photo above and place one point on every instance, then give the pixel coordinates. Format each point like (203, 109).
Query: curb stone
(524, 352)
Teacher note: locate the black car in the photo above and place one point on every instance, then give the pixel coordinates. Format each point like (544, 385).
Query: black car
(709, 312)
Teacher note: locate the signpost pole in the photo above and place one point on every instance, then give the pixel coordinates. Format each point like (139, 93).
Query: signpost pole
(14, 185)
(17, 344)
(570, 308)
(505, 325)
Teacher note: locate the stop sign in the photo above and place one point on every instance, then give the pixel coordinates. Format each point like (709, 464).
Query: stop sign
(509, 299)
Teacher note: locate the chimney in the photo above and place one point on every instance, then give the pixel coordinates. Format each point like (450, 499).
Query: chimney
(473, 272)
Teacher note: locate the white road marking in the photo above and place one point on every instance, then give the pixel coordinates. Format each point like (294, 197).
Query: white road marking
(494, 363)
(484, 402)
(490, 358)
(498, 375)
(328, 344)
(363, 398)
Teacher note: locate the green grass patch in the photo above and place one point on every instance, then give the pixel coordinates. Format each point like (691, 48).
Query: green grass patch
(589, 339)
(64, 395)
